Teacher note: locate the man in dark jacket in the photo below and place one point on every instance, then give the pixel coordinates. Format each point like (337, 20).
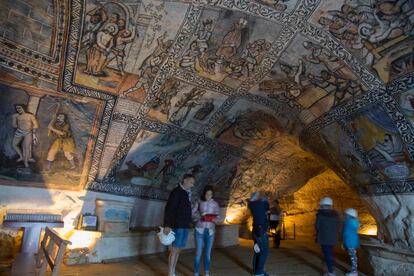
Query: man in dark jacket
(327, 229)
(177, 217)
(259, 207)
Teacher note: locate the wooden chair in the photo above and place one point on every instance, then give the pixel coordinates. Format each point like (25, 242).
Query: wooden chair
(51, 252)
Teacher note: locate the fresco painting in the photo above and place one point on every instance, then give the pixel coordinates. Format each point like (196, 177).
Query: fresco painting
(211, 167)
(317, 81)
(279, 5)
(47, 139)
(121, 48)
(379, 33)
(343, 155)
(406, 101)
(380, 140)
(185, 105)
(228, 46)
(159, 160)
(71, 53)
(152, 160)
(247, 126)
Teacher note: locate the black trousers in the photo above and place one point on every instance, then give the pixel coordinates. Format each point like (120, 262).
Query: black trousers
(273, 224)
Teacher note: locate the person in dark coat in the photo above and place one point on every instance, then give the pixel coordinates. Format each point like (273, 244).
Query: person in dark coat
(178, 218)
(275, 221)
(327, 230)
(259, 207)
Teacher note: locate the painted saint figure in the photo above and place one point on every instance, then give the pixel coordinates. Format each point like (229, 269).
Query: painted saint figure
(390, 151)
(98, 53)
(166, 172)
(334, 65)
(93, 22)
(204, 34)
(151, 65)
(232, 40)
(122, 38)
(254, 54)
(186, 104)
(204, 110)
(63, 141)
(26, 126)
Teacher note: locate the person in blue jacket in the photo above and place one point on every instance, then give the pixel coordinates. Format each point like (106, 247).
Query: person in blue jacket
(351, 239)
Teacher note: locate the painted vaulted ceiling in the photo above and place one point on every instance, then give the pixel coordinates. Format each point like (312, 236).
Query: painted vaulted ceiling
(240, 93)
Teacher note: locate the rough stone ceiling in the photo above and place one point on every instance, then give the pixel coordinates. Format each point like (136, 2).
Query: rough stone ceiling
(210, 87)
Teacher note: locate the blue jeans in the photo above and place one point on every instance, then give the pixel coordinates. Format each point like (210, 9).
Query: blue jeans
(259, 259)
(329, 257)
(203, 240)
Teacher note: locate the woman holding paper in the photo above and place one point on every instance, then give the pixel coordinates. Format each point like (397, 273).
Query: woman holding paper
(206, 212)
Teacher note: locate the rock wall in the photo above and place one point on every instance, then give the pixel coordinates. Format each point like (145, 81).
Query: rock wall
(302, 205)
(283, 169)
(395, 216)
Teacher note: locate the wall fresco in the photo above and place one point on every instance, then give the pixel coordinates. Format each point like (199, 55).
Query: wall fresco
(337, 146)
(47, 139)
(158, 161)
(281, 6)
(381, 142)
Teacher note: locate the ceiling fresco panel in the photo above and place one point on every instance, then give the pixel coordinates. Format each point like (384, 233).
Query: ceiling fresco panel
(249, 126)
(121, 48)
(280, 5)
(315, 80)
(378, 33)
(207, 87)
(228, 46)
(185, 105)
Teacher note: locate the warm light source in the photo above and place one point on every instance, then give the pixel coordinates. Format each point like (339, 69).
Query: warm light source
(232, 214)
(82, 238)
(369, 230)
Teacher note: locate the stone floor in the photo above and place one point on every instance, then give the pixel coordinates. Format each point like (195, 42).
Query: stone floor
(293, 258)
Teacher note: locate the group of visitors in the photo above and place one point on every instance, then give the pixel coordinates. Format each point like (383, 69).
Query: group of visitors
(327, 227)
(180, 214)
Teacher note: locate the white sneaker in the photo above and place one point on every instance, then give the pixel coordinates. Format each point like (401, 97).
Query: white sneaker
(352, 274)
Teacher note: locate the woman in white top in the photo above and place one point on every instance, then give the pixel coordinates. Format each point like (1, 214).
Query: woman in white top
(206, 212)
